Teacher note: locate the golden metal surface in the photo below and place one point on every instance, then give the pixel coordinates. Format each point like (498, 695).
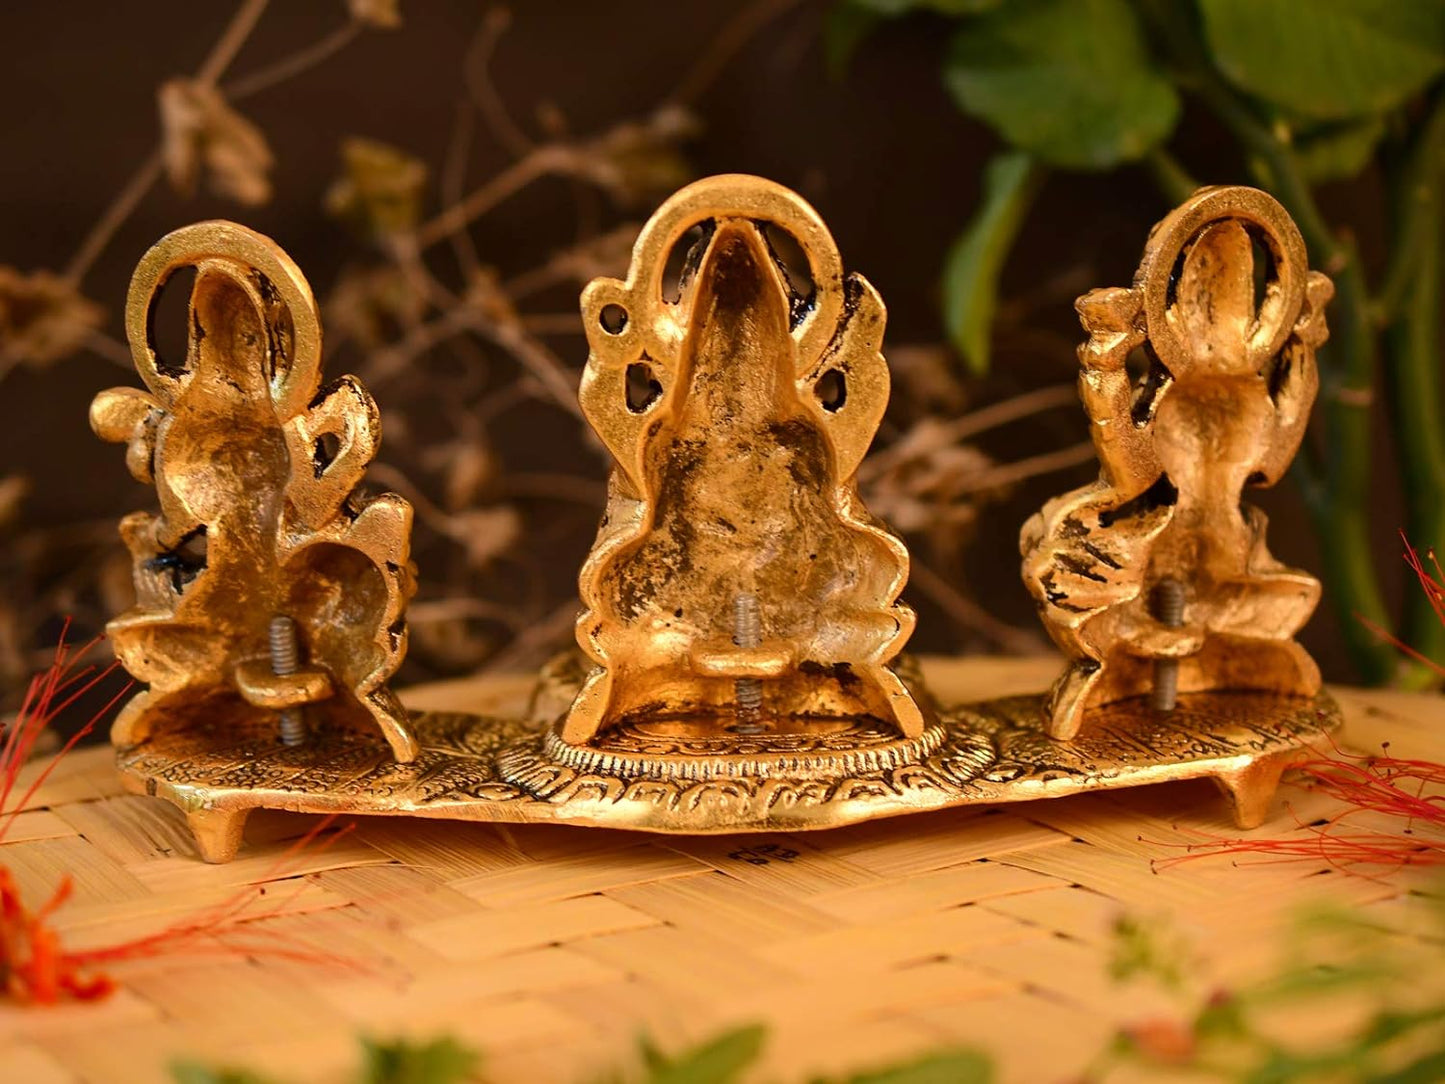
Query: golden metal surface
(737, 413)
(510, 769)
(1222, 406)
(739, 665)
(255, 466)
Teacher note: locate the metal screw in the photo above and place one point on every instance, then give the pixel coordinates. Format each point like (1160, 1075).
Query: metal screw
(1168, 608)
(748, 632)
(285, 661)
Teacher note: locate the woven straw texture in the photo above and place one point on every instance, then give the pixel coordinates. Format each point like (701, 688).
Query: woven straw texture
(551, 948)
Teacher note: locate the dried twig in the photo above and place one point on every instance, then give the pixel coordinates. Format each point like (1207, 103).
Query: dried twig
(145, 177)
(968, 614)
(970, 425)
(289, 67)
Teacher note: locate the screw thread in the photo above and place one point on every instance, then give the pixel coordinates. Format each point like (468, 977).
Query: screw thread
(748, 692)
(285, 661)
(285, 649)
(1167, 605)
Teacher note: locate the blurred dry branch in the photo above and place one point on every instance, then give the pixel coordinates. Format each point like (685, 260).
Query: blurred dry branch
(474, 356)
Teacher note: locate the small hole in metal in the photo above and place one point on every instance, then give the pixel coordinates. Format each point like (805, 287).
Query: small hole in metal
(325, 451)
(831, 390)
(683, 259)
(613, 319)
(643, 387)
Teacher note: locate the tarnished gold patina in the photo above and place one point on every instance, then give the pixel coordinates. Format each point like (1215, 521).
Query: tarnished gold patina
(502, 767)
(255, 466)
(737, 413)
(1229, 317)
(739, 667)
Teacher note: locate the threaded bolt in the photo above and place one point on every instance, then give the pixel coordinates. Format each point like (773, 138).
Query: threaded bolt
(285, 661)
(748, 692)
(1168, 608)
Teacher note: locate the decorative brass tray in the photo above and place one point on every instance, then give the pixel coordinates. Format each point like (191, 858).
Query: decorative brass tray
(482, 768)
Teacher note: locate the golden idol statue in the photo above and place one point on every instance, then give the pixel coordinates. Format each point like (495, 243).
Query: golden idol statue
(266, 588)
(738, 581)
(739, 667)
(1155, 579)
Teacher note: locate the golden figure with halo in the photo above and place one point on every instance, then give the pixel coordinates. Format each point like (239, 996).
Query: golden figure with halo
(736, 561)
(1158, 573)
(741, 626)
(266, 587)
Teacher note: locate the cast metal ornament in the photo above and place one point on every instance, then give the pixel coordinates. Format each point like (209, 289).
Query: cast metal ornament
(738, 666)
(733, 512)
(1222, 406)
(266, 588)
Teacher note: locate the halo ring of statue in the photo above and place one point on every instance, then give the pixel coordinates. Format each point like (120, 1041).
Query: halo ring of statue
(739, 196)
(1284, 289)
(244, 254)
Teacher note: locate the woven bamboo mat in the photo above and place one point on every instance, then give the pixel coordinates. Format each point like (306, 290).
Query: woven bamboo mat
(551, 948)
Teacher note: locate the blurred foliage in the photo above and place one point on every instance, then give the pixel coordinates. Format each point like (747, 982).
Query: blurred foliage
(1379, 982)
(202, 136)
(380, 190)
(1312, 91)
(727, 1058)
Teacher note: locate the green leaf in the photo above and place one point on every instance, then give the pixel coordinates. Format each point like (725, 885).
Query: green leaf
(1428, 1069)
(846, 27)
(195, 1072)
(1070, 81)
(1338, 151)
(441, 1061)
(653, 1058)
(718, 1061)
(1328, 59)
(971, 271)
(945, 1067)
(1390, 1024)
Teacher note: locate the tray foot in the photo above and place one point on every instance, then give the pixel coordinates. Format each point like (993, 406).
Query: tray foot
(218, 832)
(1251, 790)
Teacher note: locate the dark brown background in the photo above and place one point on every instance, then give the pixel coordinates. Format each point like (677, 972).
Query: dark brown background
(883, 154)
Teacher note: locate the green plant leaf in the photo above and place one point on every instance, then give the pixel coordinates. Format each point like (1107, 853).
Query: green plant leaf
(1391, 1024)
(1427, 1069)
(1070, 81)
(1338, 151)
(441, 1061)
(652, 1056)
(721, 1060)
(945, 1067)
(195, 1072)
(1328, 59)
(974, 263)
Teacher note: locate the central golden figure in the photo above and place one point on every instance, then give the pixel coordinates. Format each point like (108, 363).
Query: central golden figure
(738, 585)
